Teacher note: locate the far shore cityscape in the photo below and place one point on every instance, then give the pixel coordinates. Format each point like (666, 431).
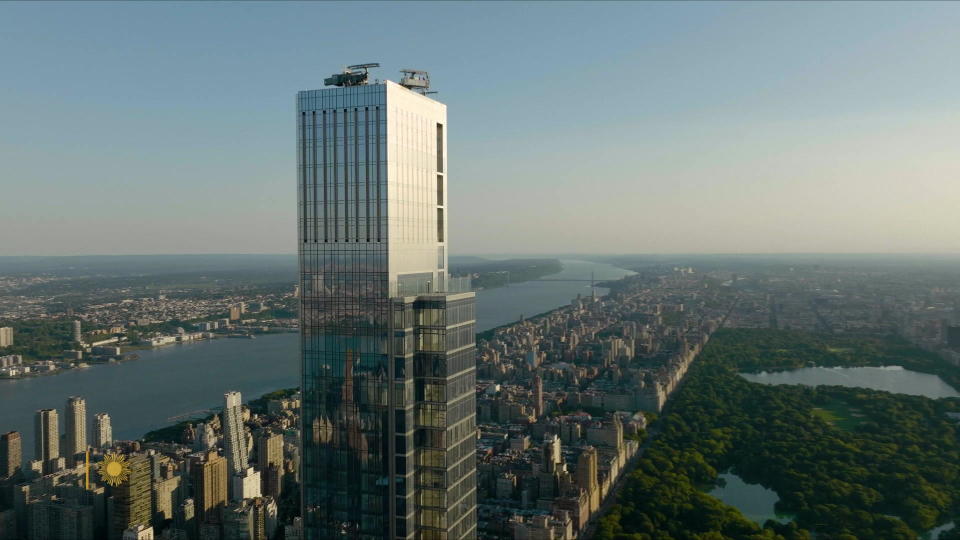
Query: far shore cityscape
(693, 397)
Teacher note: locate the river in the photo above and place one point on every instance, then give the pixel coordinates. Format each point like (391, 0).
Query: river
(503, 305)
(188, 379)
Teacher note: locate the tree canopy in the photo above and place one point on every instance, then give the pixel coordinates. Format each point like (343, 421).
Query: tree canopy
(845, 462)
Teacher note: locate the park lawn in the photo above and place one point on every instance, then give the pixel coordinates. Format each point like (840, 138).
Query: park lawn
(839, 414)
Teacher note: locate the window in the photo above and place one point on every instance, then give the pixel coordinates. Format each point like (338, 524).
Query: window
(439, 148)
(431, 317)
(439, 190)
(432, 458)
(433, 497)
(439, 224)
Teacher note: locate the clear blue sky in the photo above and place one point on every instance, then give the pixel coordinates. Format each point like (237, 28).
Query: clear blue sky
(622, 127)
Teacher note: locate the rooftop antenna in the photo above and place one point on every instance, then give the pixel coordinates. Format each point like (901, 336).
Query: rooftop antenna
(416, 80)
(354, 75)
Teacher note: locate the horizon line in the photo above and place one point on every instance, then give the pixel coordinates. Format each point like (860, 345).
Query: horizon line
(528, 254)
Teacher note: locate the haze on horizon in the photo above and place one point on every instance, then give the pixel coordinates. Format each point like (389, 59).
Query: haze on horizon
(135, 128)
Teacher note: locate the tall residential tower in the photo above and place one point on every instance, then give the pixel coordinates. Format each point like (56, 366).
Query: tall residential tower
(388, 354)
(234, 436)
(46, 438)
(6, 336)
(103, 431)
(11, 454)
(76, 437)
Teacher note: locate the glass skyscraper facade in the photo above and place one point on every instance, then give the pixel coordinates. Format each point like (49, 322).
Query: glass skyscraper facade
(388, 354)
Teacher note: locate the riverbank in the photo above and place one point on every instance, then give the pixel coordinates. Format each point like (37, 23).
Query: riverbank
(129, 356)
(166, 382)
(488, 334)
(492, 273)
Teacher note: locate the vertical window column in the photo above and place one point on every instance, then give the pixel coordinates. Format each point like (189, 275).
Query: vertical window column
(326, 201)
(439, 148)
(380, 224)
(336, 173)
(356, 174)
(314, 205)
(440, 179)
(439, 224)
(346, 178)
(366, 161)
(305, 201)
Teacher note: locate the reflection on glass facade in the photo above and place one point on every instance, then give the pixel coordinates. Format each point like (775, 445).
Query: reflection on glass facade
(388, 360)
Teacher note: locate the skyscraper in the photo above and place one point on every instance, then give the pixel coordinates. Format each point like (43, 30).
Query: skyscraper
(103, 430)
(269, 449)
(11, 454)
(133, 499)
(77, 334)
(208, 474)
(47, 437)
(234, 437)
(586, 476)
(76, 439)
(6, 336)
(270, 462)
(388, 354)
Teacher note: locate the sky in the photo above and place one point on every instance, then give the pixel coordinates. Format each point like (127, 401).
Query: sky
(140, 128)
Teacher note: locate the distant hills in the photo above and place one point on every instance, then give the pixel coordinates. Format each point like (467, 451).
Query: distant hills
(144, 265)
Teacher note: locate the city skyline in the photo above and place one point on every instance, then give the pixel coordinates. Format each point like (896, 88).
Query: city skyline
(733, 127)
(716, 294)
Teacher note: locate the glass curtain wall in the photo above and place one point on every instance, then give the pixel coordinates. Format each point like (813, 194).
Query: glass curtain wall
(345, 311)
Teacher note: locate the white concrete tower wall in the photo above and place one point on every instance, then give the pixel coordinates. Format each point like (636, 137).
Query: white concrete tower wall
(416, 185)
(76, 439)
(47, 442)
(103, 431)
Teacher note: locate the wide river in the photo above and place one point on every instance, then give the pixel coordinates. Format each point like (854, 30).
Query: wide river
(182, 381)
